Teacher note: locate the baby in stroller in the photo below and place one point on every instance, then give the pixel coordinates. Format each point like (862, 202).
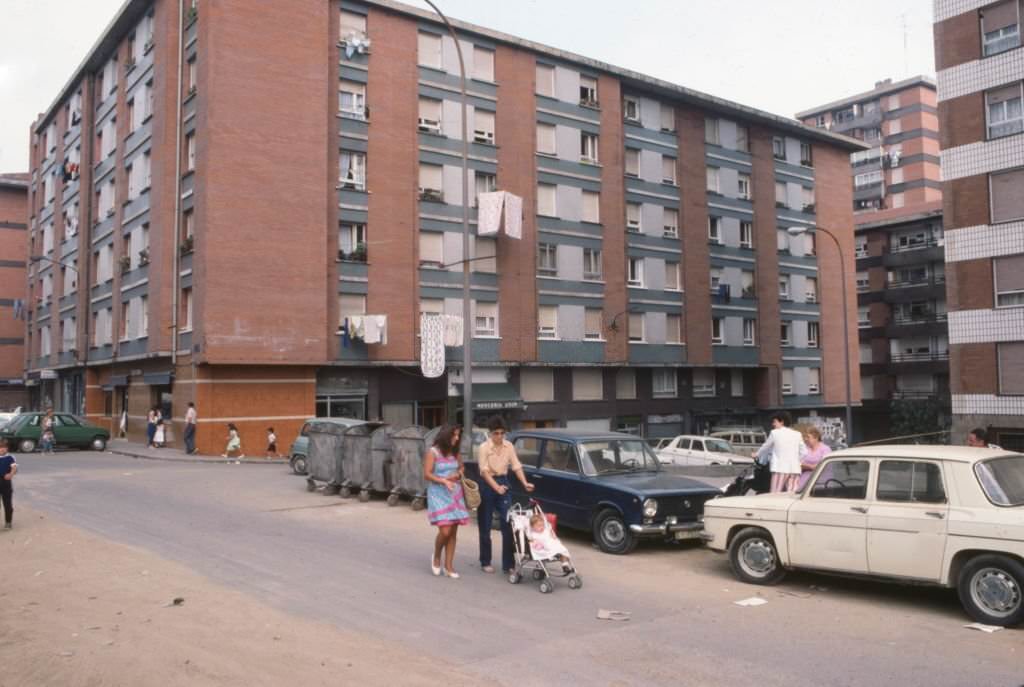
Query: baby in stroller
(536, 544)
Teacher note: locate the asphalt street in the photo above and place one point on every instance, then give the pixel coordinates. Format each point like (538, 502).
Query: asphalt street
(364, 567)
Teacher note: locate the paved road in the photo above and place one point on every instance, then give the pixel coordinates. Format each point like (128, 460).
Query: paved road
(364, 567)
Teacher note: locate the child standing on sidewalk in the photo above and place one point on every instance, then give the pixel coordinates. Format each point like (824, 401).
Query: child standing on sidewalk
(272, 444)
(8, 468)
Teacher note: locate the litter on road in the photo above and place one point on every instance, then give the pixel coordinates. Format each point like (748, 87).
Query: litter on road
(605, 614)
(752, 601)
(983, 628)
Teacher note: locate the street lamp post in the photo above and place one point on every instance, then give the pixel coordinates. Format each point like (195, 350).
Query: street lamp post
(797, 231)
(467, 340)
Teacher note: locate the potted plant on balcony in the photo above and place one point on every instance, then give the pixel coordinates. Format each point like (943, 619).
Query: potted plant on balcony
(126, 263)
(143, 257)
(187, 245)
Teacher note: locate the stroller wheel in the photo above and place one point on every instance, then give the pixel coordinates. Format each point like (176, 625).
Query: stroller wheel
(575, 582)
(418, 504)
(392, 499)
(538, 574)
(364, 495)
(546, 587)
(514, 578)
(345, 492)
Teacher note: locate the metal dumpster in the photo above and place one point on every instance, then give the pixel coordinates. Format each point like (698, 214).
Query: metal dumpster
(479, 437)
(323, 460)
(381, 477)
(408, 446)
(357, 460)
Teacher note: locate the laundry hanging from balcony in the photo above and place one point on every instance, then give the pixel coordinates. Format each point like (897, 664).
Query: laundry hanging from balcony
(370, 329)
(432, 333)
(490, 215)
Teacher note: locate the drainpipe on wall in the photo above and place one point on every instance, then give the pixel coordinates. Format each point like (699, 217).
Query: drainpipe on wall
(176, 252)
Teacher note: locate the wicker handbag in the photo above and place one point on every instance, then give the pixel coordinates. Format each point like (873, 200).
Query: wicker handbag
(472, 492)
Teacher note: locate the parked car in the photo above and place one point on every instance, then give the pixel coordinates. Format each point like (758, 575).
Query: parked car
(6, 417)
(658, 444)
(687, 449)
(22, 433)
(299, 451)
(609, 484)
(943, 515)
(744, 440)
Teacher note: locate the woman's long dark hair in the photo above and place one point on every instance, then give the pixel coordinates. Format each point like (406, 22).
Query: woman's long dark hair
(444, 439)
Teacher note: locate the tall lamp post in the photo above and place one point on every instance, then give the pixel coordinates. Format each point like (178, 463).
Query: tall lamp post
(467, 313)
(797, 231)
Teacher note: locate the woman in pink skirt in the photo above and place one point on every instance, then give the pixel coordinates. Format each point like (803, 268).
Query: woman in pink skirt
(446, 504)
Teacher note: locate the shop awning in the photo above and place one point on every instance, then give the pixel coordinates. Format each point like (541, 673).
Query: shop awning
(156, 378)
(495, 397)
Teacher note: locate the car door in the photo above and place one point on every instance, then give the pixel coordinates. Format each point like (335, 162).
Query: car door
(907, 521)
(676, 451)
(68, 431)
(698, 453)
(827, 525)
(558, 483)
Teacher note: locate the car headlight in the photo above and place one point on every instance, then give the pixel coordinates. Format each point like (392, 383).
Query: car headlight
(650, 508)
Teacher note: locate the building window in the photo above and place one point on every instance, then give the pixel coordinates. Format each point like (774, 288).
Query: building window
(806, 156)
(715, 230)
(811, 290)
(668, 118)
(350, 305)
(743, 186)
(749, 332)
(863, 318)
(592, 323)
(1000, 27)
(673, 329)
(636, 327)
(787, 382)
(813, 332)
(190, 152)
(484, 254)
(547, 259)
(664, 383)
(711, 180)
(592, 269)
(807, 198)
(632, 162)
(711, 131)
(588, 148)
(625, 383)
(635, 272)
(671, 276)
(483, 126)
(714, 279)
(192, 76)
(717, 337)
(747, 284)
(429, 120)
(431, 182)
(587, 384)
(1009, 281)
(704, 383)
(781, 195)
(746, 234)
(352, 242)
(633, 217)
(546, 140)
(429, 50)
(786, 333)
(630, 109)
(1011, 368)
(588, 91)
(778, 147)
(670, 223)
(352, 170)
(485, 320)
(483, 64)
(814, 380)
(186, 309)
(352, 25)
(546, 200)
(545, 80)
(1007, 195)
(668, 170)
(352, 99)
(484, 183)
(784, 287)
(742, 139)
(547, 322)
(868, 179)
(431, 247)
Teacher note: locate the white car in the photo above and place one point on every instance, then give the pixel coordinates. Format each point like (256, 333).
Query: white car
(943, 515)
(688, 449)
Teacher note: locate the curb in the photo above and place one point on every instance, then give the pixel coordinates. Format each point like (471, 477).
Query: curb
(209, 461)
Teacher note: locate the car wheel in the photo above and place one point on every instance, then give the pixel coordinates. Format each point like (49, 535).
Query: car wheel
(754, 558)
(991, 589)
(26, 445)
(299, 464)
(612, 535)
(98, 444)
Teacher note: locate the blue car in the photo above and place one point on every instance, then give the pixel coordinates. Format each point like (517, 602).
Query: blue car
(609, 484)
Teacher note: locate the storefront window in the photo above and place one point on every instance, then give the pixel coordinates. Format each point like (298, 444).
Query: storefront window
(341, 406)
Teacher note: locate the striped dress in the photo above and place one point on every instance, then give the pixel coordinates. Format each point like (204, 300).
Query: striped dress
(446, 507)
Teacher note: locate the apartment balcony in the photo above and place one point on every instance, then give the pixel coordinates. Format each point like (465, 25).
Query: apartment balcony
(919, 357)
(915, 255)
(928, 325)
(933, 362)
(869, 191)
(866, 120)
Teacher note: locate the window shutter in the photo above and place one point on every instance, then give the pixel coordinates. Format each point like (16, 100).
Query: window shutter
(1007, 195)
(1011, 368)
(999, 16)
(587, 384)
(1009, 273)
(592, 322)
(536, 386)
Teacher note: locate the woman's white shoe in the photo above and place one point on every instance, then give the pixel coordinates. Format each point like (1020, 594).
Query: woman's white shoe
(436, 569)
(452, 574)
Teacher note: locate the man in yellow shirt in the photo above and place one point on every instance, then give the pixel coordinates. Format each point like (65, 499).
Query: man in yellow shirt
(496, 457)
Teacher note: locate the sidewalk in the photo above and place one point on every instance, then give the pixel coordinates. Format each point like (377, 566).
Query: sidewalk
(133, 449)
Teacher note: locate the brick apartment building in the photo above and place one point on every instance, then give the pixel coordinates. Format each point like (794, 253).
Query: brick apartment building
(13, 211)
(901, 290)
(235, 206)
(979, 61)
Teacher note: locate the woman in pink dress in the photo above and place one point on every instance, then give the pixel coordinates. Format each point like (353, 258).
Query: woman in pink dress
(816, 451)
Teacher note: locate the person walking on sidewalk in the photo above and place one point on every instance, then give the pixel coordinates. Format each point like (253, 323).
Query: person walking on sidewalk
(190, 428)
(496, 458)
(234, 443)
(8, 468)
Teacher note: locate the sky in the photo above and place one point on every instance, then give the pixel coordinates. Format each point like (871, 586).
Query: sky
(782, 56)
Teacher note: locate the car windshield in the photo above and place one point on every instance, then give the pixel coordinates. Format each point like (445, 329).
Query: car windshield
(17, 423)
(1002, 479)
(717, 446)
(617, 455)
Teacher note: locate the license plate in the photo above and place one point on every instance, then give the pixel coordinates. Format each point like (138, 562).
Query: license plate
(688, 534)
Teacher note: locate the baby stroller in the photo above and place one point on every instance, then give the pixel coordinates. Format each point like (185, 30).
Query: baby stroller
(759, 479)
(519, 519)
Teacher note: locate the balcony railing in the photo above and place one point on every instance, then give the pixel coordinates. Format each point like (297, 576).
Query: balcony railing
(919, 357)
(906, 394)
(920, 319)
(926, 281)
(916, 246)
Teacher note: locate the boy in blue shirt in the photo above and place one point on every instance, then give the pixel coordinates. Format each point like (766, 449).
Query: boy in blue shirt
(8, 468)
